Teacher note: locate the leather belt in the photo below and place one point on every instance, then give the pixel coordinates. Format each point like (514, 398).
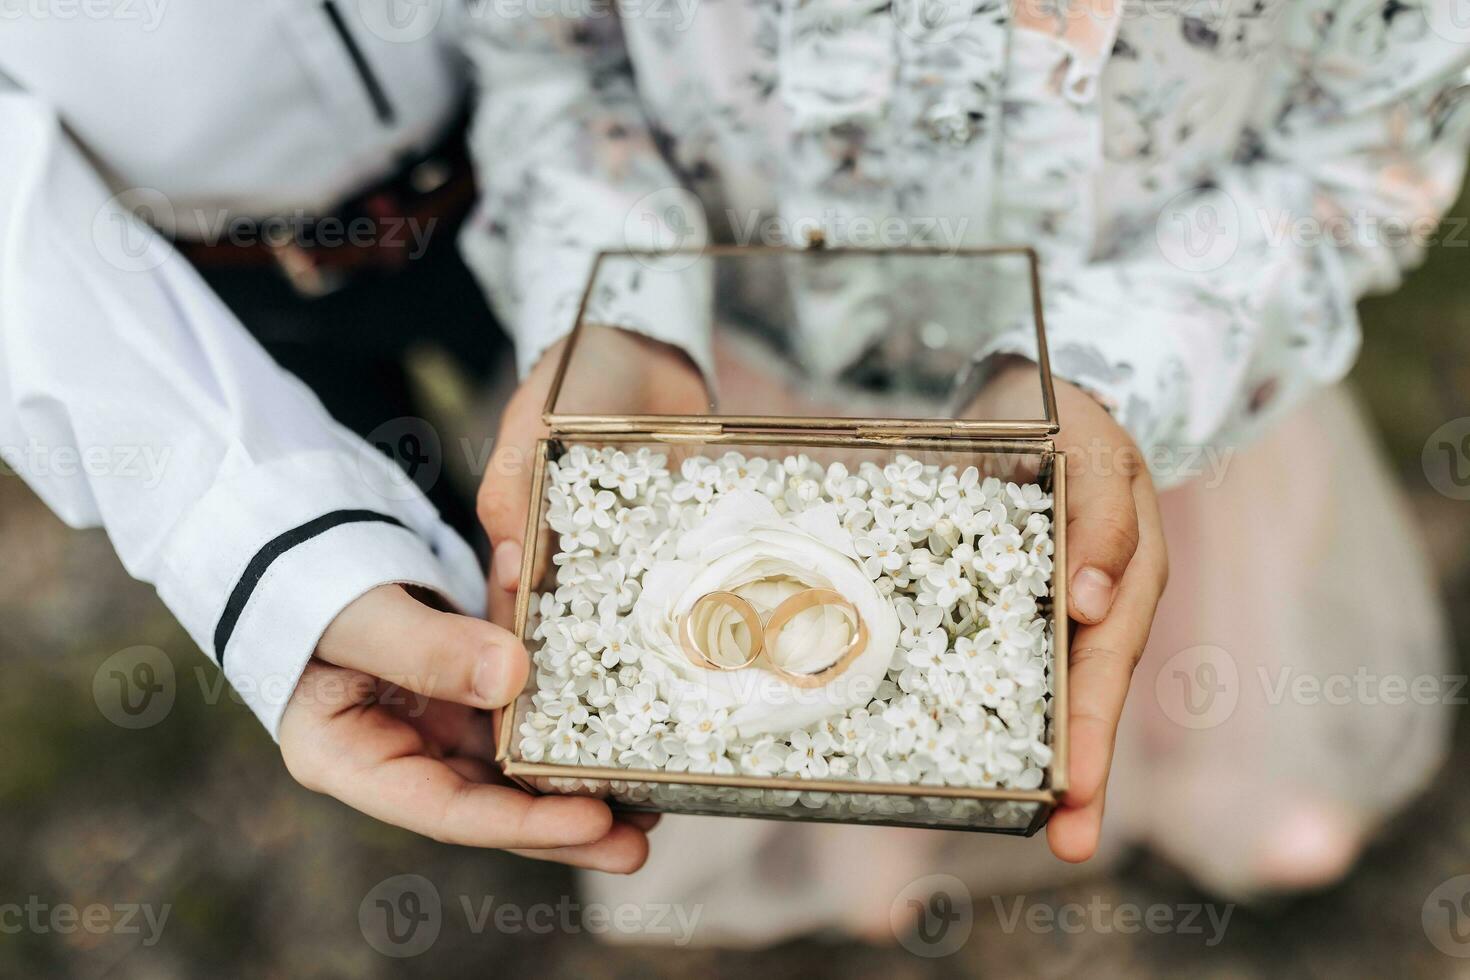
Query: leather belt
(373, 233)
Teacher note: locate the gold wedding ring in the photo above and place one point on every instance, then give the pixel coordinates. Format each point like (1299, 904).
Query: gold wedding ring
(746, 611)
(763, 634)
(800, 603)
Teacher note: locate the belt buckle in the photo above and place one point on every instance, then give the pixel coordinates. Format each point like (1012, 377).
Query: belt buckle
(306, 275)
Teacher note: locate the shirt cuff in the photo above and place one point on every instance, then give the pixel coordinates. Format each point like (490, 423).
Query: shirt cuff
(263, 564)
(1128, 364)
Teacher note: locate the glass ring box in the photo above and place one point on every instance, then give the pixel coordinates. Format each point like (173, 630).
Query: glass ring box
(793, 544)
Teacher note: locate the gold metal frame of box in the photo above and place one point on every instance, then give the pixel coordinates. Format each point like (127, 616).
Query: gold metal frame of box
(1047, 797)
(708, 425)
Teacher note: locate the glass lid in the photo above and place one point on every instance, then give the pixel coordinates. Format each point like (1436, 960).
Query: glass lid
(923, 341)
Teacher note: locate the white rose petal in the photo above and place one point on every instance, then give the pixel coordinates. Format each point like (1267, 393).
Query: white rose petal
(744, 546)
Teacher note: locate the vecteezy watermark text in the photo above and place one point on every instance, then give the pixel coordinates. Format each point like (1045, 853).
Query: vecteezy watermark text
(148, 14)
(39, 461)
(1099, 915)
(63, 918)
(403, 915)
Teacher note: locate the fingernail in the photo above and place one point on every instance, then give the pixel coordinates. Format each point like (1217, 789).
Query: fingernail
(489, 683)
(1092, 593)
(507, 563)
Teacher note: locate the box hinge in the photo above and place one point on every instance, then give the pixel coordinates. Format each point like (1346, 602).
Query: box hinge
(689, 432)
(910, 430)
(565, 427)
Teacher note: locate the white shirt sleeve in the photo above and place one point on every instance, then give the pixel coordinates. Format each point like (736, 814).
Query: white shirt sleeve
(132, 399)
(568, 167)
(1199, 329)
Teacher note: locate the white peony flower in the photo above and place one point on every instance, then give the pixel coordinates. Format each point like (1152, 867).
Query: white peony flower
(744, 546)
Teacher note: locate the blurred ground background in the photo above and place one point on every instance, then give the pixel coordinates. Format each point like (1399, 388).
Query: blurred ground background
(263, 879)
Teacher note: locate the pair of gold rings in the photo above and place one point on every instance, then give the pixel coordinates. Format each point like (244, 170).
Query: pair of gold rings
(763, 634)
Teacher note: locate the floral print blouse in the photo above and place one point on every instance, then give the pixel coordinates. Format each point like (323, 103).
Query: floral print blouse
(1211, 184)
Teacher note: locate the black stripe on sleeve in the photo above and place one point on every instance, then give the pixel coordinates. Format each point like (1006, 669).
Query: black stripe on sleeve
(275, 548)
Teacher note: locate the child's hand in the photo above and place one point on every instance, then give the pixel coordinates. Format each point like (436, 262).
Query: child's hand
(390, 718)
(1116, 569)
(634, 376)
(1116, 566)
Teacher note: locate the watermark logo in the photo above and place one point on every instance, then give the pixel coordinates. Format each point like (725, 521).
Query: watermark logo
(401, 916)
(933, 916)
(1198, 687)
(1446, 917)
(1198, 231)
(416, 453)
(933, 21)
(670, 219)
(401, 21)
(1450, 21)
(1446, 459)
(123, 229)
(135, 688)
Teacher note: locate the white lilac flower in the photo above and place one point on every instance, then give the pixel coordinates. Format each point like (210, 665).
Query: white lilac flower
(698, 724)
(700, 480)
(612, 643)
(906, 476)
(630, 523)
(971, 653)
(1029, 497)
(927, 650)
(597, 747)
(1001, 553)
(801, 493)
(564, 744)
(1029, 778)
(908, 720)
(808, 756)
(946, 585)
(895, 520)
(923, 517)
(921, 562)
(651, 749)
(916, 621)
(598, 690)
(642, 707)
(965, 703)
(1015, 635)
(800, 465)
(880, 553)
(764, 757)
(855, 732)
(955, 489)
(847, 493)
(709, 757)
(624, 474)
(736, 472)
(1012, 601)
(971, 522)
(934, 751)
(593, 508)
(991, 688)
